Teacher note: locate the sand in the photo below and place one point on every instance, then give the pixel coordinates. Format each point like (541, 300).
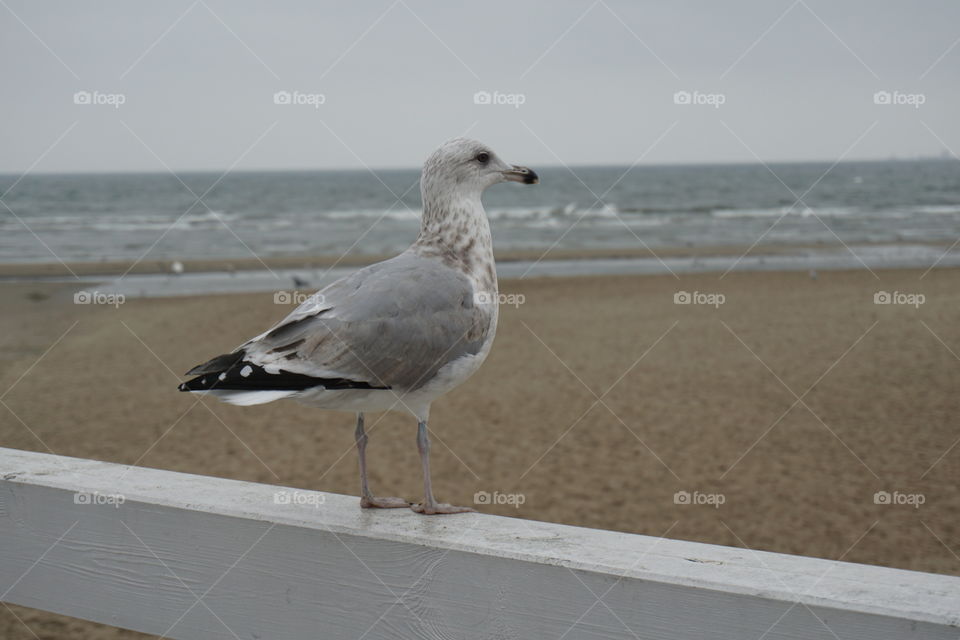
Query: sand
(693, 398)
(60, 270)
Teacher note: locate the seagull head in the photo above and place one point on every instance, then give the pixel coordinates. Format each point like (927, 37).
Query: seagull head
(469, 166)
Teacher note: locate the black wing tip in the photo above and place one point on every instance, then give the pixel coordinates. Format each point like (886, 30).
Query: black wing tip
(246, 376)
(219, 364)
(197, 384)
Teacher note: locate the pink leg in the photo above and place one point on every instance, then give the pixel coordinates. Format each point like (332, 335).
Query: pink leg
(367, 500)
(430, 506)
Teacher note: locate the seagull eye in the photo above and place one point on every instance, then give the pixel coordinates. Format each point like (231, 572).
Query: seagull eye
(483, 157)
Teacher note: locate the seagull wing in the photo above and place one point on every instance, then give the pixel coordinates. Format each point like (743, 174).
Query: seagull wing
(393, 324)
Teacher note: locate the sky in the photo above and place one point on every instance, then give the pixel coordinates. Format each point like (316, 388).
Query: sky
(213, 85)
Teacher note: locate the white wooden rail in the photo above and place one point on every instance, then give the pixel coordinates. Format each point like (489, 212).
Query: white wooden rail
(195, 557)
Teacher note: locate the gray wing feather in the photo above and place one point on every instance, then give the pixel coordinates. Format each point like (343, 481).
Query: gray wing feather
(394, 323)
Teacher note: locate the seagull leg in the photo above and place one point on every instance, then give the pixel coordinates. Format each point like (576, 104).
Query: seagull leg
(430, 506)
(367, 500)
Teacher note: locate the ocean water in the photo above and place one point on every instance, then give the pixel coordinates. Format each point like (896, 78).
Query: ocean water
(95, 217)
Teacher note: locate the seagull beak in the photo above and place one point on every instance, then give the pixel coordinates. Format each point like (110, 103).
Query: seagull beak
(520, 174)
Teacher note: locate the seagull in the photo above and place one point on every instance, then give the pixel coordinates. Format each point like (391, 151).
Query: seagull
(393, 336)
(299, 282)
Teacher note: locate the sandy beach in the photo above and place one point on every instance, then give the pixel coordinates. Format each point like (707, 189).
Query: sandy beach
(602, 399)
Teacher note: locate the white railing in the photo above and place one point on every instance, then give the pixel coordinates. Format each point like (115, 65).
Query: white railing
(195, 557)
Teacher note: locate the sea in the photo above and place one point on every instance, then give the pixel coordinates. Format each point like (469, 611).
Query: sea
(160, 216)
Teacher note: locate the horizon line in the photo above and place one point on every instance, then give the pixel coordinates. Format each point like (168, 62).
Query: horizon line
(598, 165)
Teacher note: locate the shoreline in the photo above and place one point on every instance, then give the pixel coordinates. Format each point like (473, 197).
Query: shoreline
(53, 270)
(311, 277)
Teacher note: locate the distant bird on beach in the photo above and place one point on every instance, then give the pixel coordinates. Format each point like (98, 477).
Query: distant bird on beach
(395, 335)
(299, 282)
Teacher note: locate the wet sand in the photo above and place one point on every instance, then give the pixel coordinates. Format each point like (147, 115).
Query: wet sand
(55, 269)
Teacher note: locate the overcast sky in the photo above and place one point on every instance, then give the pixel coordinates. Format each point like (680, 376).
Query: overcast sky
(776, 79)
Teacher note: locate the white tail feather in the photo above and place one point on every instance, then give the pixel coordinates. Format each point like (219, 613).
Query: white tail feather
(247, 398)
